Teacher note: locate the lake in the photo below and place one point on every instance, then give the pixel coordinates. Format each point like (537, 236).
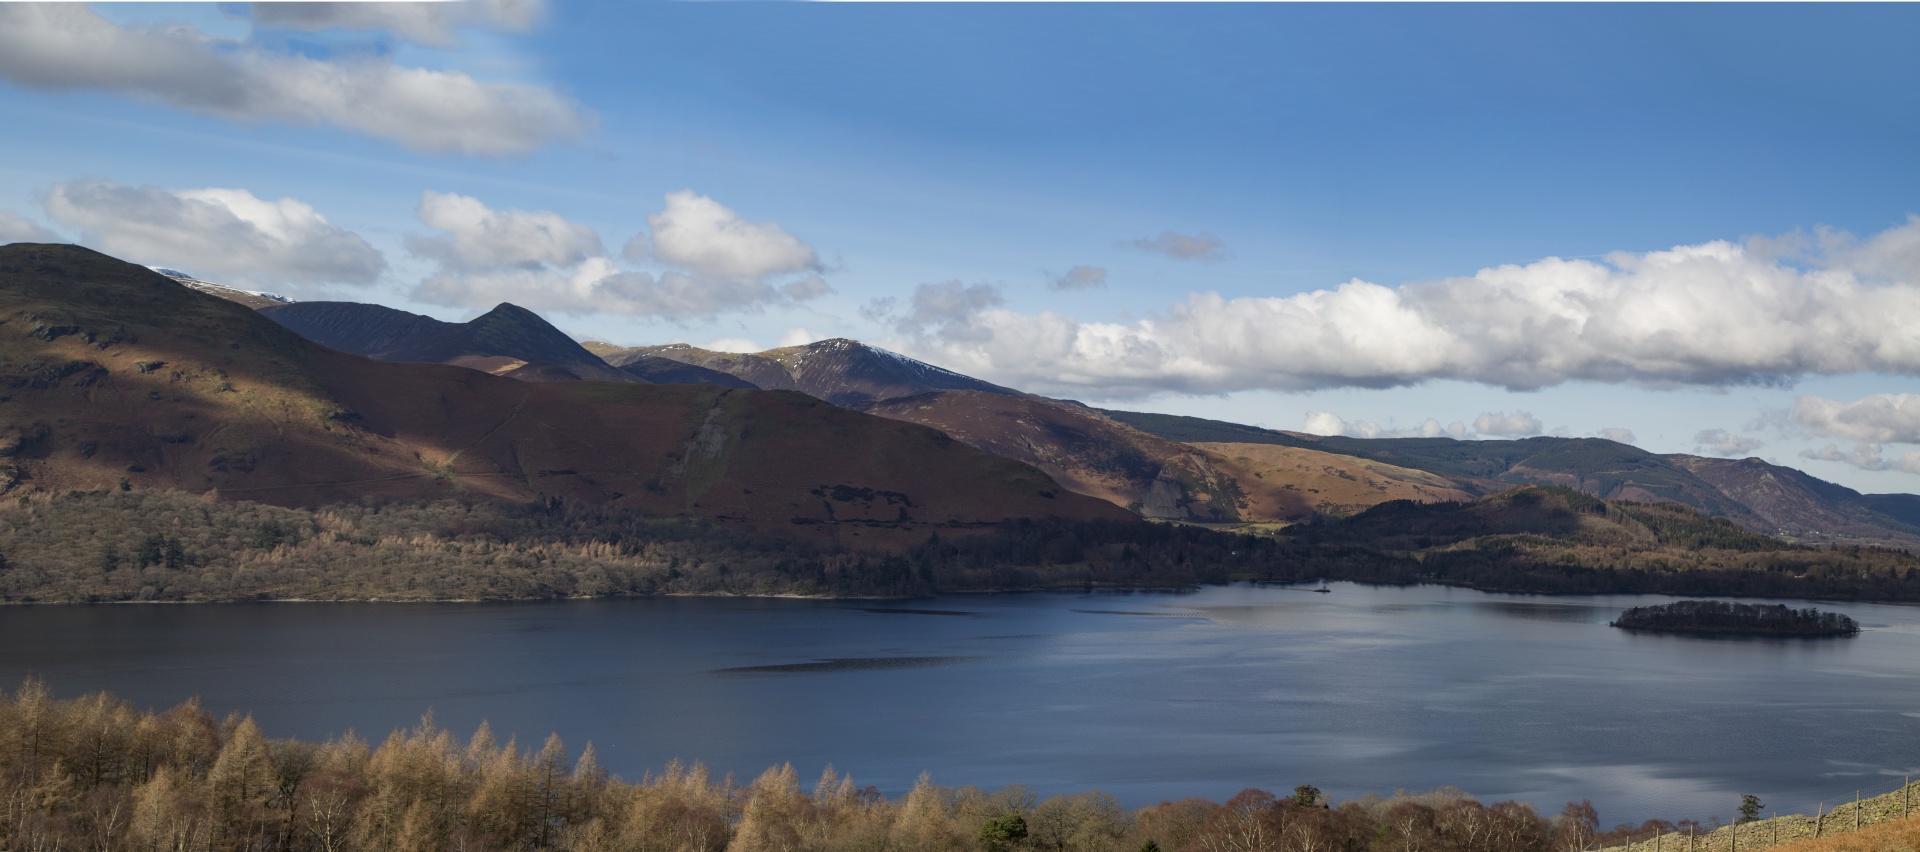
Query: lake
(1148, 696)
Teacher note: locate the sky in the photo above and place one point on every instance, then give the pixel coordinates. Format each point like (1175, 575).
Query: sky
(1693, 228)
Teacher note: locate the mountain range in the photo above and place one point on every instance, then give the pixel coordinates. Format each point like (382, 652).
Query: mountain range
(120, 378)
(1161, 467)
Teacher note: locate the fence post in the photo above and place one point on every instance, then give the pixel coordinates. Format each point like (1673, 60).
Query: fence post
(1856, 810)
(1819, 819)
(1689, 838)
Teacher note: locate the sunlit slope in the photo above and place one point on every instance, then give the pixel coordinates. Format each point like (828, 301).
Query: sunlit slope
(116, 373)
(1280, 482)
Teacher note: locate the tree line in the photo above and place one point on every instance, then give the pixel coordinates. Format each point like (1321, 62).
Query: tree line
(95, 773)
(169, 546)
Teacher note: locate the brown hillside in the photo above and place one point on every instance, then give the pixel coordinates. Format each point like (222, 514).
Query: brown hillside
(1093, 454)
(1291, 482)
(1082, 450)
(117, 377)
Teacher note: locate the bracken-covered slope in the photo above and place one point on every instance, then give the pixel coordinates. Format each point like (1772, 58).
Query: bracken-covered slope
(1802, 506)
(504, 341)
(1082, 450)
(1289, 483)
(1093, 454)
(116, 377)
(1596, 466)
(840, 371)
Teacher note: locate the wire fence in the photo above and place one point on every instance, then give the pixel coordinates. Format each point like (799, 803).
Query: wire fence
(1867, 807)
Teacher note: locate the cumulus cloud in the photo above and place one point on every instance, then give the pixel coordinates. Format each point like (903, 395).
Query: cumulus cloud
(1863, 456)
(1516, 425)
(228, 234)
(1714, 314)
(797, 337)
(543, 261)
(1079, 278)
(428, 23)
(938, 309)
(66, 47)
(704, 236)
(477, 237)
(1328, 423)
(1181, 246)
(810, 287)
(1883, 418)
(732, 344)
(1720, 442)
(15, 228)
(1618, 434)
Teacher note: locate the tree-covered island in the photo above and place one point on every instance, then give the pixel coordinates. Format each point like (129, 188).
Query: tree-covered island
(1726, 618)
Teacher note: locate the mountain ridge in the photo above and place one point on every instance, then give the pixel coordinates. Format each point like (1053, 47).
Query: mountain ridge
(119, 378)
(504, 341)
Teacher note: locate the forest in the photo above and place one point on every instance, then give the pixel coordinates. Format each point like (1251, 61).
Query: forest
(104, 546)
(95, 773)
(1726, 617)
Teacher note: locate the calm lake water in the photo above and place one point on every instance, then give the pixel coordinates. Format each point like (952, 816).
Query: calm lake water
(1147, 696)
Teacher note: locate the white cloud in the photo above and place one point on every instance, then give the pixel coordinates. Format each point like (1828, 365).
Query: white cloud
(1079, 278)
(1182, 246)
(1328, 423)
(66, 46)
(429, 23)
(732, 344)
(1516, 425)
(15, 228)
(477, 237)
(1883, 418)
(1713, 314)
(1720, 442)
(797, 337)
(1618, 434)
(227, 234)
(701, 235)
(810, 287)
(948, 304)
(541, 260)
(1864, 456)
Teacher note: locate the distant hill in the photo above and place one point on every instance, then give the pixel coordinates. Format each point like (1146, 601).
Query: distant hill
(1096, 455)
(507, 340)
(664, 371)
(1294, 483)
(1082, 450)
(1557, 540)
(841, 371)
(119, 378)
(1800, 505)
(1603, 468)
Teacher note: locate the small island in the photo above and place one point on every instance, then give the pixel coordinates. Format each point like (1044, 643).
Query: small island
(1736, 619)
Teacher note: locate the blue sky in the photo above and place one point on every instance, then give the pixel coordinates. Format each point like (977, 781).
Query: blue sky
(1336, 216)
